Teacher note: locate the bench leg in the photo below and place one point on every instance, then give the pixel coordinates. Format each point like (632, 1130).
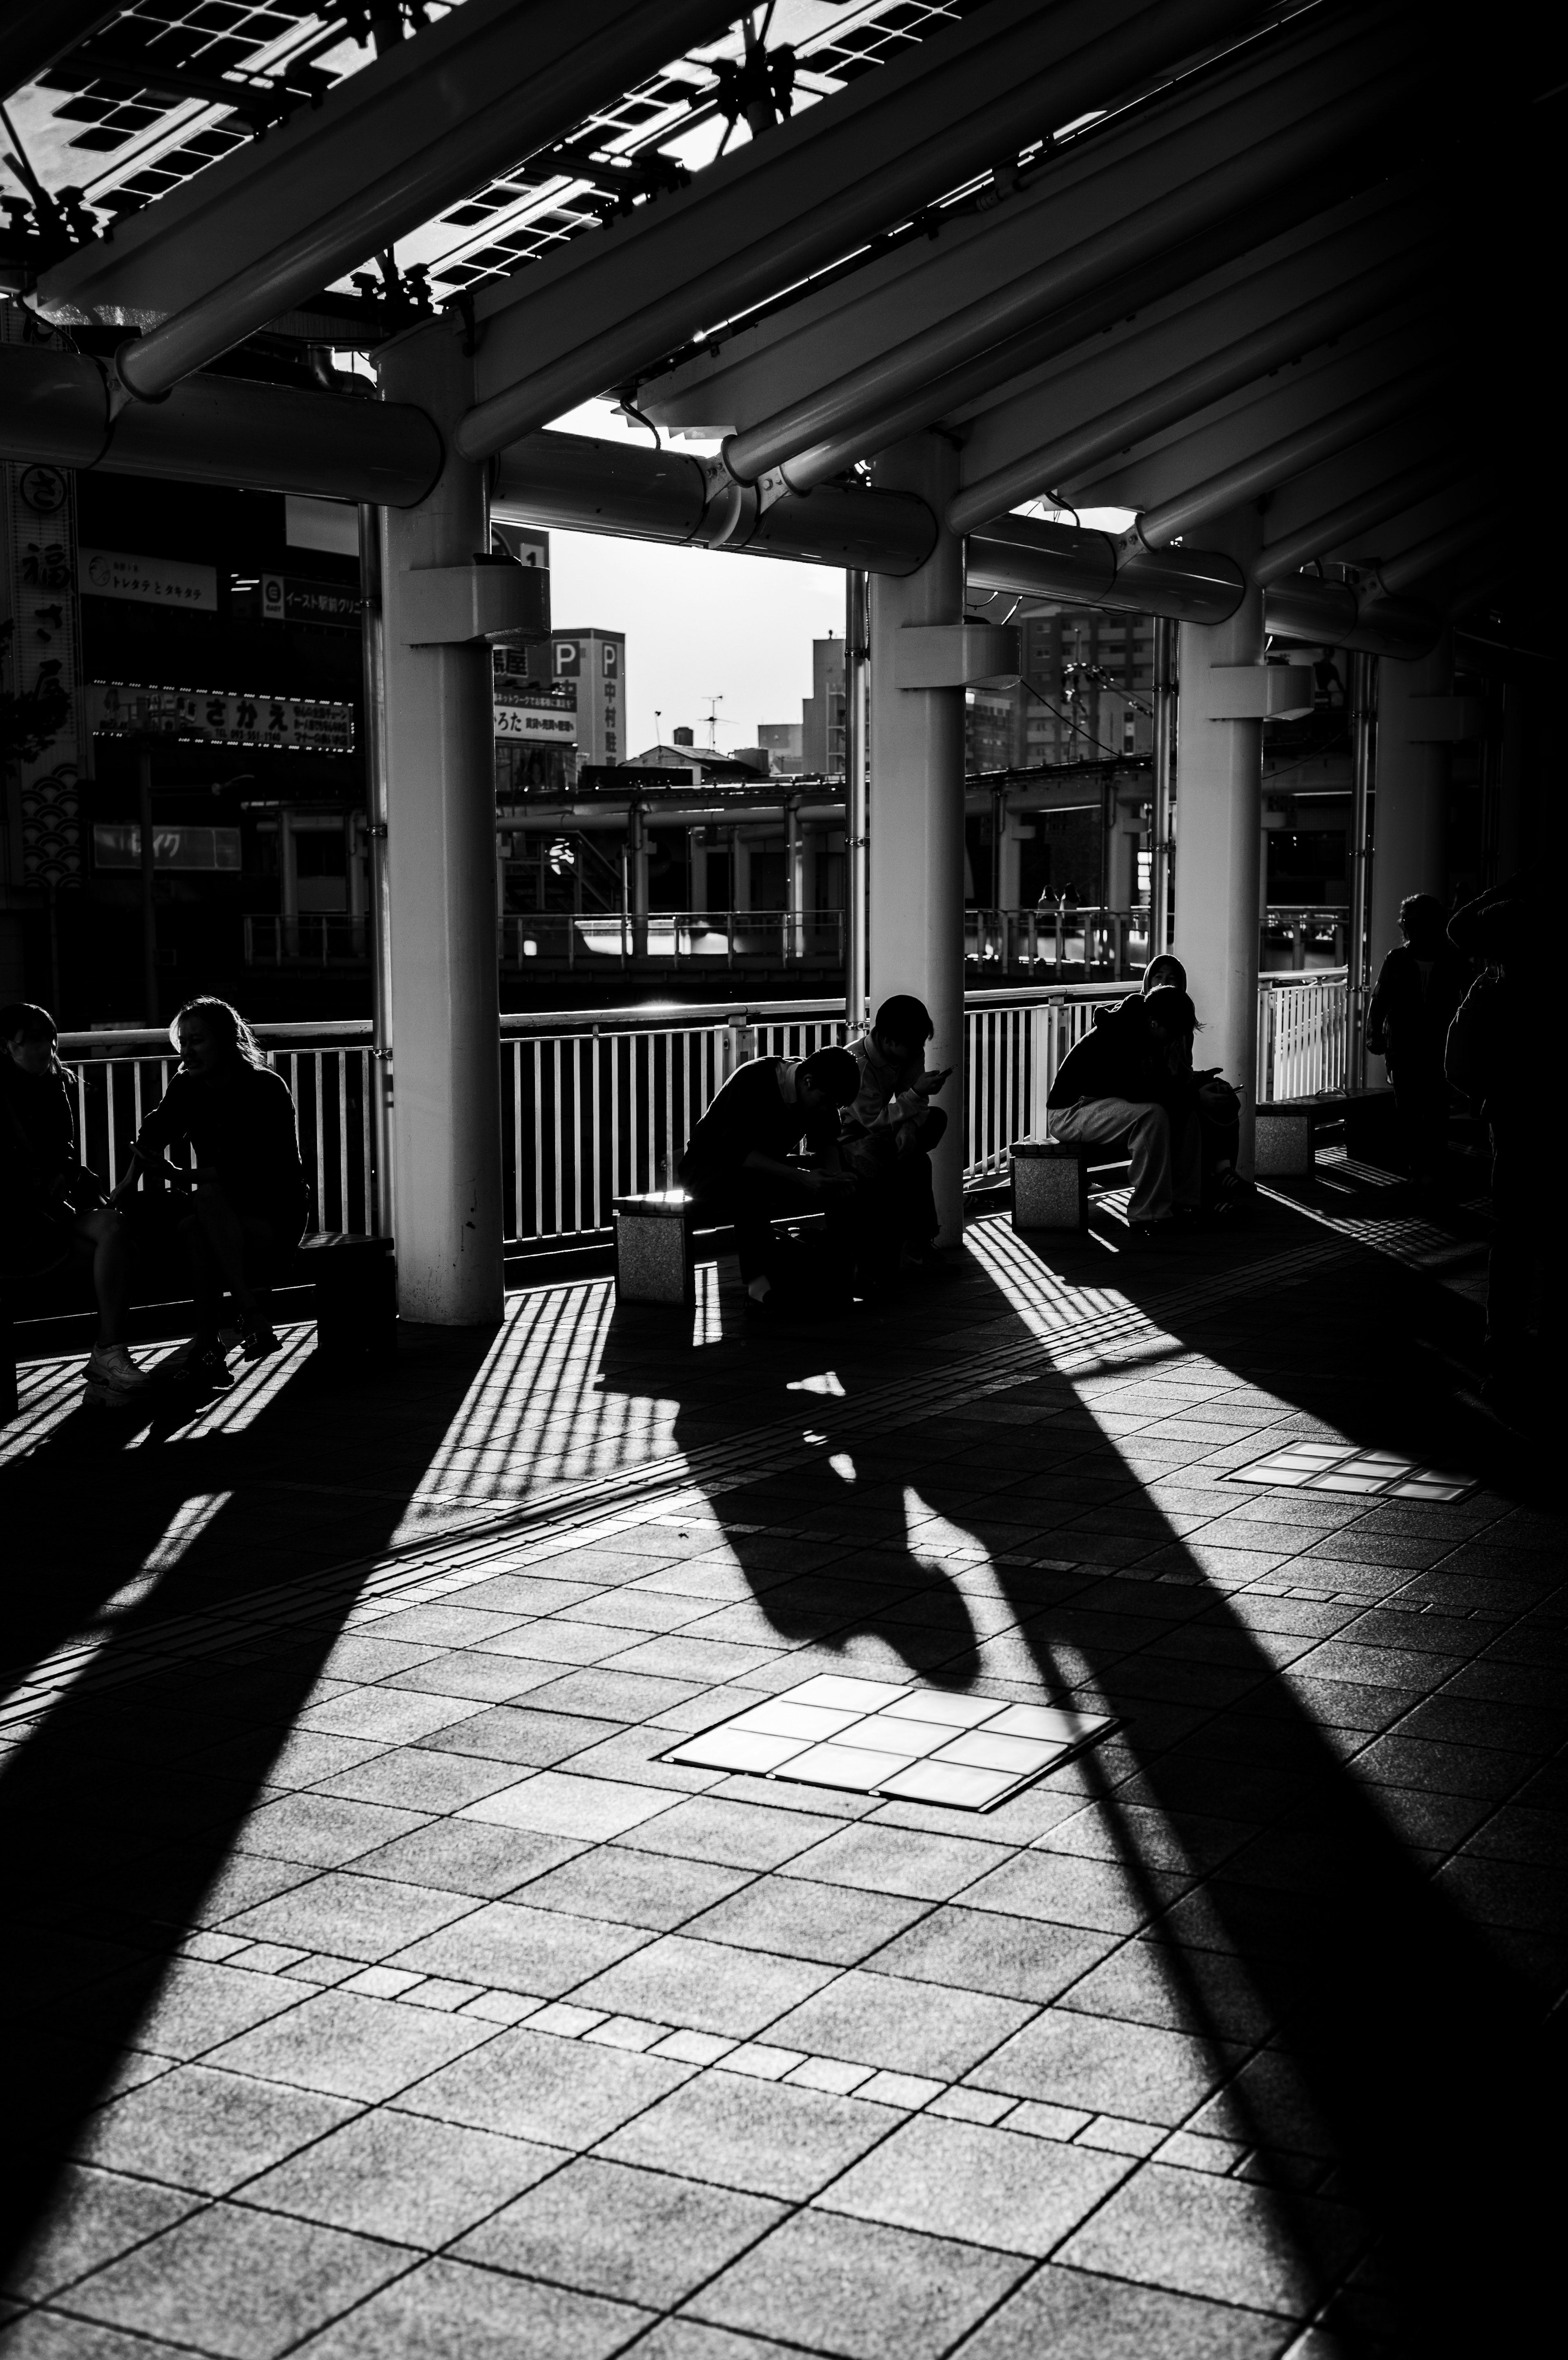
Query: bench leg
(1050, 1192)
(653, 1260)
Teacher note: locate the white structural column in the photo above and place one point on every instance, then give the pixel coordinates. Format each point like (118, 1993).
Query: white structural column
(1416, 724)
(916, 919)
(1219, 815)
(441, 866)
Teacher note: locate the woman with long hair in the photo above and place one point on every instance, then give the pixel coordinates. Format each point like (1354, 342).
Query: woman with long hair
(250, 1201)
(52, 1209)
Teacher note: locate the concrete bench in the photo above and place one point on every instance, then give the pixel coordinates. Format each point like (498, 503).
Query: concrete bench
(1287, 1130)
(655, 1261)
(1050, 1181)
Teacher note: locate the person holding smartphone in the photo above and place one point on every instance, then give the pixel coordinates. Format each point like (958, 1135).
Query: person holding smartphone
(893, 1128)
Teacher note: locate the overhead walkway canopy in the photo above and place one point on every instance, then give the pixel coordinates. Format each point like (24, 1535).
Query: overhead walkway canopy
(926, 281)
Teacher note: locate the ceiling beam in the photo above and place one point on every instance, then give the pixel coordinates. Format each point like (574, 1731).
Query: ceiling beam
(810, 192)
(36, 32)
(421, 126)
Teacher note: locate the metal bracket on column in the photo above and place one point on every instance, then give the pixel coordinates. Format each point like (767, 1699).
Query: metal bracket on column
(454, 606)
(1260, 691)
(955, 655)
(1443, 720)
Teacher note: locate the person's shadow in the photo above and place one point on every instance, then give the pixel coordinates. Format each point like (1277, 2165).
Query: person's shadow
(1379, 2056)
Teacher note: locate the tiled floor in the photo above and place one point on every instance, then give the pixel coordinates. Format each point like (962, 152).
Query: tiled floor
(379, 1988)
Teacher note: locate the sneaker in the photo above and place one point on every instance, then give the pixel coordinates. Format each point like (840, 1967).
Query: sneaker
(199, 1362)
(111, 1369)
(256, 1340)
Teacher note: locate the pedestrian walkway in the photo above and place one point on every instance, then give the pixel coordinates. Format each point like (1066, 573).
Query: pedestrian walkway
(379, 1987)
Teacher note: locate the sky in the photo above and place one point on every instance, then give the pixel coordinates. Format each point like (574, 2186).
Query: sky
(699, 625)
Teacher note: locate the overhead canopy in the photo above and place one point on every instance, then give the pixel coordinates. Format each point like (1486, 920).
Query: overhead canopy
(1161, 257)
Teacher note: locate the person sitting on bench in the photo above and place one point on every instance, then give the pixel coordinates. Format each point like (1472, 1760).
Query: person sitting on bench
(735, 1166)
(896, 1127)
(1132, 1076)
(251, 1202)
(52, 1209)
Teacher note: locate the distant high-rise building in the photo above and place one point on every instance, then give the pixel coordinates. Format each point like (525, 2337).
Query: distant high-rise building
(821, 713)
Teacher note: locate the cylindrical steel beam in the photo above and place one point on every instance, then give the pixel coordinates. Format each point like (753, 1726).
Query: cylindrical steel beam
(1278, 559)
(372, 659)
(1182, 212)
(1363, 722)
(440, 805)
(1165, 710)
(917, 807)
(1156, 407)
(1291, 454)
(813, 191)
(1309, 610)
(217, 429)
(582, 58)
(856, 715)
(1091, 315)
(1436, 550)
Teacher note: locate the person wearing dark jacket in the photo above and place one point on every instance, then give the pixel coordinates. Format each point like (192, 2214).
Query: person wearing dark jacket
(1131, 1077)
(735, 1166)
(894, 1129)
(52, 1209)
(251, 1202)
(1419, 986)
(1493, 1055)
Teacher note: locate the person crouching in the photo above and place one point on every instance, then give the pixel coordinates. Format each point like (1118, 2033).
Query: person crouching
(1131, 1079)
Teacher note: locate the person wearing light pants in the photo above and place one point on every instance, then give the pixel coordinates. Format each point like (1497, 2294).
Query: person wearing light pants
(1131, 1079)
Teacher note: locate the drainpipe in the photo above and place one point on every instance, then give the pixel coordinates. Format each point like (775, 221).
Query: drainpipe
(856, 834)
(373, 656)
(1363, 723)
(1164, 770)
(636, 865)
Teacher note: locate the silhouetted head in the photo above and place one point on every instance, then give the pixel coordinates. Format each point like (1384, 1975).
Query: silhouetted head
(210, 1034)
(903, 1026)
(830, 1077)
(29, 1033)
(1164, 970)
(1170, 1014)
(1424, 921)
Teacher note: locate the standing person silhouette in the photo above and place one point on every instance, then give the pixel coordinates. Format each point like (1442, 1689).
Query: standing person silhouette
(52, 1209)
(250, 1202)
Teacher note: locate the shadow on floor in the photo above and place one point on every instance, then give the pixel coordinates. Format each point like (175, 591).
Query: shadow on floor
(118, 1809)
(1396, 2100)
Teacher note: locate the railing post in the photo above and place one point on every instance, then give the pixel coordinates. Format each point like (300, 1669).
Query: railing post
(1363, 713)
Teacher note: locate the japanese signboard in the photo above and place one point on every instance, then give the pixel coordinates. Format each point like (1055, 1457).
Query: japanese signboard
(535, 717)
(307, 724)
(120, 847)
(156, 581)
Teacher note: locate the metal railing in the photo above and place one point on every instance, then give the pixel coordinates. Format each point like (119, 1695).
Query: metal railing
(1085, 942)
(1303, 1034)
(313, 938)
(713, 938)
(599, 1104)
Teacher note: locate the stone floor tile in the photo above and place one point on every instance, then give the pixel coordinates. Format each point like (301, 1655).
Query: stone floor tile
(694, 2048)
(608, 1695)
(558, 2092)
(323, 1831)
(384, 1982)
(241, 2285)
(705, 1985)
(1116, 2136)
(634, 1888)
(609, 2228)
(394, 1717)
(515, 1733)
(761, 2060)
(981, 1950)
(349, 2046)
(93, 2216)
(829, 2074)
(199, 2004)
(555, 1803)
(463, 1856)
(244, 1881)
(771, 2139)
(1130, 2070)
(1219, 2238)
(1192, 1991)
(1068, 1890)
(471, 1672)
(736, 1835)
(960, 2105)
(351, 1916)
(988, 2187)
(899, 1861)
(518, 1948)
(447, 2308)
(688, 2338)
(859, 2288)
(206, 2130)
(403, 2177)
(1070, 2314)
(907, 2091)
(908, 2027)
(567, 2023)
(414, 1778)
(836, 1926)
(50, 2335)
